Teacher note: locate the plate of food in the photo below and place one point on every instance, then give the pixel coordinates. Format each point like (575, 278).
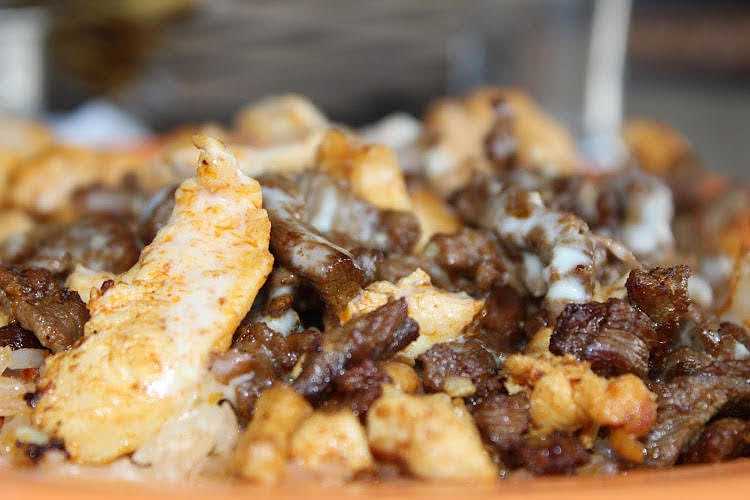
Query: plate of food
(457, 305)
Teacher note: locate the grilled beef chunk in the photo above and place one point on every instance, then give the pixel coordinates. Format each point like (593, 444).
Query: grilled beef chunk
(557, 453)
(686, 403)
(359, 386)
(126, 200)
(471, 258)
(469, 359)
(613, 336)
(501, 327)
(721, 440)
(375, 336)
(56, 315)
(503, 420)
(15, 336)
(662, 293)
(334, 210)
(329, 268)
(99, 242)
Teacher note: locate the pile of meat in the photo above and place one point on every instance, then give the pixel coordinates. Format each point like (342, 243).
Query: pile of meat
(465, 285)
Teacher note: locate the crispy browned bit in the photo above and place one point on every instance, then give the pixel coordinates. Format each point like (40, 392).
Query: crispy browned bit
(15, 336)
(359, 386)
(613, 336)
(686, 404)
(721, 440)
(257, 337)
(56, 315)
(557, 453)
(35, 452)
(99, 242)
(329, 268)
(662, 293)
(156, 214)
(472, 258)
(375, 336)
(468, 359)
(503, 420)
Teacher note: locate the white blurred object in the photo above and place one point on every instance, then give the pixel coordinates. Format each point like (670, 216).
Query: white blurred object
(605, 76)
(22, 38)
(99, 123)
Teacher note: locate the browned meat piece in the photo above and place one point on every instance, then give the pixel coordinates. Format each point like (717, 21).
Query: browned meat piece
(469, 359)
(359, 386)
(55, 315)
(471, 258)
(503, 420)
(501, 326)
(685, 405)
(126, 200)
(394, 267)
(721, 440)
(331, 208)
(15, 336)
(99, 242)
(329, 268)
(613, 336)
(265, 355)
(280, 289)
(557, 453)
(156, 214)
(662, 293)
(375, 336)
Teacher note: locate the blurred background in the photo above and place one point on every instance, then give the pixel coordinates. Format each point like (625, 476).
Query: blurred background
(167, 62)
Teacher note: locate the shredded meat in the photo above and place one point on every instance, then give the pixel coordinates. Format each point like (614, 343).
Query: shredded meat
(55, 315)
(469, 359)
(721, 440)
(558, 453)
(15, 336)
(613, 336)
(98, 242)
(662, 293)
(376, 335)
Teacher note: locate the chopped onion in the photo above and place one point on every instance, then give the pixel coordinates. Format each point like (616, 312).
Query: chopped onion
(21, 359)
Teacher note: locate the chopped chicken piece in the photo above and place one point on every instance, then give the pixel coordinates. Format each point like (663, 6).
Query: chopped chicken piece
(372, 171)
(434, 214)
(148, 342)
(14, 223)
(279, 120)
(332, 445)
(184, 443)
(45, 183)
(658, 147)
(737, 306)
(433, 436)
(403, 376)
(85, 281)
(263, 449)
(23, 138)
(566, 395)
(441, 315)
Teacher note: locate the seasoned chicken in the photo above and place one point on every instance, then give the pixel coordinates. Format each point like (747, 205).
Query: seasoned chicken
(147, 345)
